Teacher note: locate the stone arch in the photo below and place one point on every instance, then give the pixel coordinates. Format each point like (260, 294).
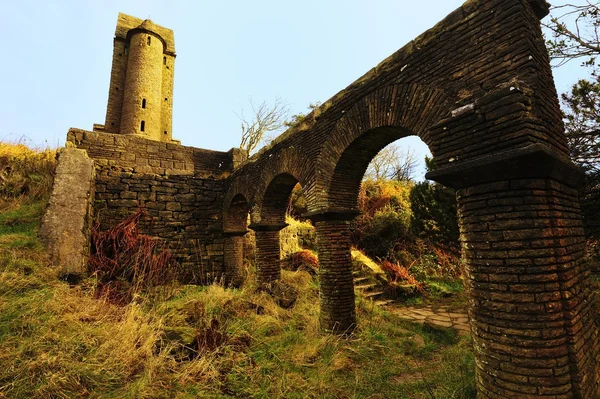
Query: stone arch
(237, 205)
(379, 118)
(272, 210)
(373, 122)
(278, 176)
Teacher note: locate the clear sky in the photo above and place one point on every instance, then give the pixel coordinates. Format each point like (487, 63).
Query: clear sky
(57, 56)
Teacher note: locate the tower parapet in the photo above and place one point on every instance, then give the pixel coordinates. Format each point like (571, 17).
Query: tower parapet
(140, 99)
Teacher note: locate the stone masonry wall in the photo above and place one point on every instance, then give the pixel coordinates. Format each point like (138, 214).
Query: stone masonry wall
(180, 187)
(185, 211)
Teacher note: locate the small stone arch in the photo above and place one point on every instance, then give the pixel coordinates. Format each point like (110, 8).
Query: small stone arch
(278, 176)
(235, 221)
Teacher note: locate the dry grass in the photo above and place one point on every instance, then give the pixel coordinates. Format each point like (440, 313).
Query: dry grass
(25, 173)
(60, 341)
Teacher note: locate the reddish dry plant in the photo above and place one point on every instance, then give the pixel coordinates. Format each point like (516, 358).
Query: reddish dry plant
(126, 262)
(397, 273)
(304, 260)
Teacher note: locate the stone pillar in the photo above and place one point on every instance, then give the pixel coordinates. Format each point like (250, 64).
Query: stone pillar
(66, 226)
(268, 257)
(336, 284)
(530, 301)
(233, 258)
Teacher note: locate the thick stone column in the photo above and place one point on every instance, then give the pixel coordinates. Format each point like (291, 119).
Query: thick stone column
(233, 258)
(338, 313)
(530, 301)
(66, 226)
(268, 257)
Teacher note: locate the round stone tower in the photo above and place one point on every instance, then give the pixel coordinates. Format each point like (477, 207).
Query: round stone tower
(142, 105)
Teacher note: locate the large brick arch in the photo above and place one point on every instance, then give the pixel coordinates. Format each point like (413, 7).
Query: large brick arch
(477, 89)
(375, 121)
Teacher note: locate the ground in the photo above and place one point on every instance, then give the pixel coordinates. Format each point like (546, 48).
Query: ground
(59, 340)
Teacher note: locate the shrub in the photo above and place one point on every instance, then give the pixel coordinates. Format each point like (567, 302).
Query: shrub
(305, 260)
(433, 216)
(126, 262)
(384, 223)
(397, 273)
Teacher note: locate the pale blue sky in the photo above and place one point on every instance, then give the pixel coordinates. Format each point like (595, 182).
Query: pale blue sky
(57, 57)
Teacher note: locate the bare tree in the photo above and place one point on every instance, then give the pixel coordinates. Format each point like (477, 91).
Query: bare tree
(575, 32)
(266, 118)
(393, 163)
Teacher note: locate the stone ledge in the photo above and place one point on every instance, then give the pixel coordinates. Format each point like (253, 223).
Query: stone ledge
(532, 161)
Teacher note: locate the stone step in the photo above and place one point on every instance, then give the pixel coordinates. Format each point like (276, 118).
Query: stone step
(364, 287)
(383, 302)
(373, 294)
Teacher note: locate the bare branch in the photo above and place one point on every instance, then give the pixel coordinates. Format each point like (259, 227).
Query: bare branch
(265, 119)
(393, 163)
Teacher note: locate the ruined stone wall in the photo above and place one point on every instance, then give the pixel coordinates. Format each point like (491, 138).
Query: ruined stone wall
(185, 211)
(180, 187)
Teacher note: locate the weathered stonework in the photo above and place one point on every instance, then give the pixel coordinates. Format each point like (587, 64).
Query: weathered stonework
(140, 97)
(478, 89)
(180, 187)
(67, 221)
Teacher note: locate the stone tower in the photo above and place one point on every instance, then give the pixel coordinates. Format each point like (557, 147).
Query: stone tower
(140, 97)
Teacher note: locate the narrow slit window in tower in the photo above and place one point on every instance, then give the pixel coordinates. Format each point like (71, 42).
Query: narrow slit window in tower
(143, 103)
(165, 132)
(149, 40)
(142, 126)
(164, 60)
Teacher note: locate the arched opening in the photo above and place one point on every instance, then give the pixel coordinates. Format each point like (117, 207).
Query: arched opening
(235, 224)
(374, 177)
(143, 103)
(149, 40)
(353, 163)
(273, 208)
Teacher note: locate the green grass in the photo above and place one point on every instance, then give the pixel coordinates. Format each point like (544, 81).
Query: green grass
(58, 341)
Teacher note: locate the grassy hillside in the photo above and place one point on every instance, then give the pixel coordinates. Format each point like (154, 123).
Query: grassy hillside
(65, 341)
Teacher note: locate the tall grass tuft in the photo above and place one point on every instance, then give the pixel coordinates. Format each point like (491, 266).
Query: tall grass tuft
(25, 174)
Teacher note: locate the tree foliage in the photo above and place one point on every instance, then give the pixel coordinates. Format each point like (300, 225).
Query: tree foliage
(383, 226)
(575, 35)
(434, 215)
